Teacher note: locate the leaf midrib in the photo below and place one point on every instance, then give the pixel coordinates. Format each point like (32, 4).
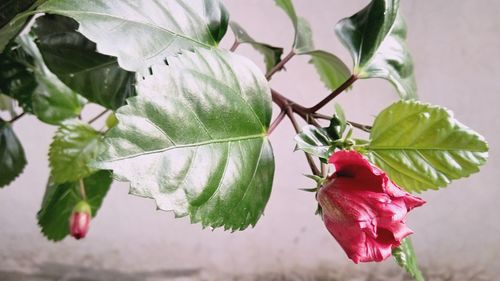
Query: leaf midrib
(212, 141)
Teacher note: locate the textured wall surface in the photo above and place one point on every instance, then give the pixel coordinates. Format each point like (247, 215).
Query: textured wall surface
(455, 47)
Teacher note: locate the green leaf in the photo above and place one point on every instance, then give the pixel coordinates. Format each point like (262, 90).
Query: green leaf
(52, 101)
(74, 146)
(14, 15)
(17, 79)
(59, 200)
(272, 55)
(6, 103)
(376, 38)
(406, 258)
(303, 35)
(339, 113)
(195, 139)
(332, 71)
(159, 28)
(315, 141)
(12, 159)
(422, 147)
(74, 60)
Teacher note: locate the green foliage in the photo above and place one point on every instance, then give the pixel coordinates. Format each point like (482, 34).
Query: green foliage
(332, 71)
(406, 258)
(13, 18)
(60, 199)
(376, 38)
(272, 55)
(194, 139)
(74, 60)
(74, 146)
(423, 147)
(12, 159)
(52, 101)
(315, 141)
(159, 28)
(17, 79)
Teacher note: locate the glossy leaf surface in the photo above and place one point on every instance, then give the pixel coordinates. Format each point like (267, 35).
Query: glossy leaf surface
(376, 38)
(159, 28)
(194, 139)
(406, 258)
(52, 101)
(60, 199)
(303, 35)
(74, 60)
(14, 15)
(74, 146)
(12, 159)
(315, 141)
(422, 147)
(272, 55)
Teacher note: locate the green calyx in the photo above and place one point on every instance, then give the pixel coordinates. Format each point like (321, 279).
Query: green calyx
(82, 207)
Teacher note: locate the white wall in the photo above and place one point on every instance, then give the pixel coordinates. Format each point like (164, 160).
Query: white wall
(455, 47)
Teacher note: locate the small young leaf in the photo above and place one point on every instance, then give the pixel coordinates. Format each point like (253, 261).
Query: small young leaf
(423, 147)
(315, 141)
(12, 159)
(74, 60)
(272, 55)
(303, 35)
(332, 71)
(405, 257)
(159, 29)
(195, 139)
(376, 38)
(74, 146)
(339, 113)
(59, 200)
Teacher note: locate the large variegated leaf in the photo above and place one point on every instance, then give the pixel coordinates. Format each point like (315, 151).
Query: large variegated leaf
(74, 60)
(423, 147)
(194, 139)
(376, 38)
(154, 30)
(12, 159)
(60, 199)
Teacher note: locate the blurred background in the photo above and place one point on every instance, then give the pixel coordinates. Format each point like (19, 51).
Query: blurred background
(455, 48)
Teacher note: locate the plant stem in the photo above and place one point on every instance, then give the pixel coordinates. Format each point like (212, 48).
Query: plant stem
(333, 94)
(234, 46)
(82, 190)
(279, 65)
(362, 127)
(17, 117)
(276, 122)
(98, 116)
(310, 160)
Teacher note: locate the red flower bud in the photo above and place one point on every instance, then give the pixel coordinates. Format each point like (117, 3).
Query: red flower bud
(363, 209)
(79, 220)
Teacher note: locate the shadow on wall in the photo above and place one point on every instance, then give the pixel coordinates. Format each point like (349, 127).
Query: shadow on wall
(62, 272)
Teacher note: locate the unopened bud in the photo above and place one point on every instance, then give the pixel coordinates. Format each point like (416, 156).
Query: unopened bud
(79, 220)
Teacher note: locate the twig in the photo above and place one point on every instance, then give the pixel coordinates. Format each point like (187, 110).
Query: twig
(333, 94)
(310, 161)
(234, 46)
(17, 117)
(98, 116)
(276, 122)
(279, 65)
